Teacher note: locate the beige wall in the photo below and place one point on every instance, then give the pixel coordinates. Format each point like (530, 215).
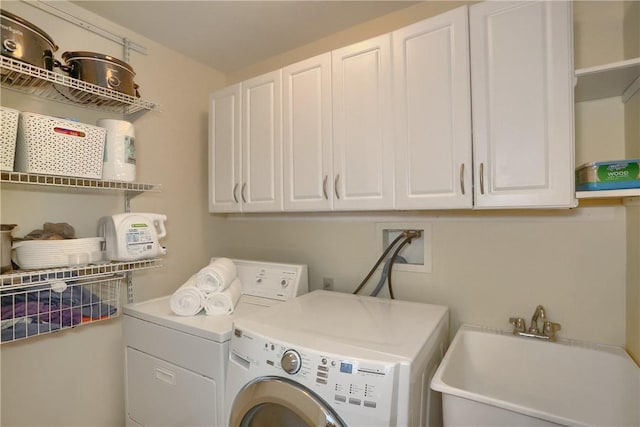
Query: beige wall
(632, 132)
(487, 266)
(76, 377)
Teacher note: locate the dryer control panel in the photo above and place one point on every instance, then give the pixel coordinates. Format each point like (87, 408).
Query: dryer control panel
(362, 389)
(272, 280)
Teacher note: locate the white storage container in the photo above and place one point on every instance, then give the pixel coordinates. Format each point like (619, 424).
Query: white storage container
(8, 134)
(49, 145)
(36, 254)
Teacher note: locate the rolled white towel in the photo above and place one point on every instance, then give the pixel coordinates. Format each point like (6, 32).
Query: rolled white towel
(221, 303)
(187, 300)
(216, 276)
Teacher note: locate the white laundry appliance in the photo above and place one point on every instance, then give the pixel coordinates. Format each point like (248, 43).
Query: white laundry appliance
(334, 359)
(175, 366)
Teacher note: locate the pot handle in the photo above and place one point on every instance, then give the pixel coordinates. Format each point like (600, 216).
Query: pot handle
(48, 61)
(136, 86)
(67, 69)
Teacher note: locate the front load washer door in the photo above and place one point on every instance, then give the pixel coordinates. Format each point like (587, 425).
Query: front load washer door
(274, 401)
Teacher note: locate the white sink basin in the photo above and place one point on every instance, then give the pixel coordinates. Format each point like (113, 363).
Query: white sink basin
(491, 377)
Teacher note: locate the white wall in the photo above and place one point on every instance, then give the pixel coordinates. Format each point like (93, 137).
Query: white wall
(75, 377)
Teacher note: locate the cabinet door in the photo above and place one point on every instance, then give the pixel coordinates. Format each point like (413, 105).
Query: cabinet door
(522, 100)
(224, 150)
(433, 113)
(261, 189)
(362, 140)
(308, 174)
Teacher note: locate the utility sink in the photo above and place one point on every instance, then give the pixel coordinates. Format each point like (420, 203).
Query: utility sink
(491, 377)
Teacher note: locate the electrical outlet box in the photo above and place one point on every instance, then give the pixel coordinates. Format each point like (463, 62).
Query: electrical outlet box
(417, 253)
(327, 283)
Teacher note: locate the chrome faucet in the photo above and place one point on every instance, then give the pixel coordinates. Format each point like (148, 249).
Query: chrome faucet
(549, 329)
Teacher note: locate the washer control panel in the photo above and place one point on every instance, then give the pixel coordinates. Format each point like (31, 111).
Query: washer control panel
(361, 387)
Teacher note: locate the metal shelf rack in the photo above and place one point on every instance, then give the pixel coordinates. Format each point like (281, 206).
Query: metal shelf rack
(68, 181)
(47, 308)
(26, 78)
(26, 278)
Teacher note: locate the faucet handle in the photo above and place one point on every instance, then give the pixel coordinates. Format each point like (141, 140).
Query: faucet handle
(550, 329)
(518, 323)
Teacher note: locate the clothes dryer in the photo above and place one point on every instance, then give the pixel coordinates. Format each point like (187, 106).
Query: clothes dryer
(335, 359)
(175, 366)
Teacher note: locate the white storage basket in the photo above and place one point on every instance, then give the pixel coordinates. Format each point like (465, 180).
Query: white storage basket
(8, 133)
(53, 146)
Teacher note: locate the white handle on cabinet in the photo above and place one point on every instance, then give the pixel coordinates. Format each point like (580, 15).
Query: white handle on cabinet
(462, 178)
(481, 178)
(244, 199)
(335, 186)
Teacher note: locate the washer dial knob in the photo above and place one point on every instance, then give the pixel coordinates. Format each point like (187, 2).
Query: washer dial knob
(291, 362)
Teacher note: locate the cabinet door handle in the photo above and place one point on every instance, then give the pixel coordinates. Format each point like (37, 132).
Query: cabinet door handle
(235, 192)
(324, 187)
(481, 178)
(462, 178)
(335, 186)
(244, 185)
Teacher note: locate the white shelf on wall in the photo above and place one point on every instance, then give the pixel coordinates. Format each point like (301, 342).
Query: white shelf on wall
(26, 78)
(74, 182)
(629, 196)
(601, 194)
(29, 278)
(604, 81)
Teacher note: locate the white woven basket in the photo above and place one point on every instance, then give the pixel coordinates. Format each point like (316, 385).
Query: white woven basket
(8, 131)
(53, 146)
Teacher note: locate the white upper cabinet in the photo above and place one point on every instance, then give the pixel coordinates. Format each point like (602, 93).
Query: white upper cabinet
(225, 174)
(307, 154)
(261, 188)
(362, 126)
(433, 113)
(472, 108)
(522, 103)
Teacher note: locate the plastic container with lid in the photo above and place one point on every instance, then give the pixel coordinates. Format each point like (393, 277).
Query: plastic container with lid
(608, 175)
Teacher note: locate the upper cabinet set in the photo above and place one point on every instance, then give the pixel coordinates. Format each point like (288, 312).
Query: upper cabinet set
(469, 109)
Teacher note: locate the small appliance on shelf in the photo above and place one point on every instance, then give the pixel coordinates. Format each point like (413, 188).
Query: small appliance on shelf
(133, 236)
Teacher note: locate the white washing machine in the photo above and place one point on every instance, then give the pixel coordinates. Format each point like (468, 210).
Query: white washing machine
(333, 359)
(175, 367)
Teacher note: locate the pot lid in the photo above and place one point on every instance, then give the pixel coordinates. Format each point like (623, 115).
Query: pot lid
(30, 26)
(7, 227)
(70, 56)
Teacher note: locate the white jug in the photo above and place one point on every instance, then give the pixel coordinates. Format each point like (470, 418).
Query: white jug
(133, 236)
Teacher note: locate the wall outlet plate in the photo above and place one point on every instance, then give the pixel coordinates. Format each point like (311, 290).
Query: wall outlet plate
(417, 253)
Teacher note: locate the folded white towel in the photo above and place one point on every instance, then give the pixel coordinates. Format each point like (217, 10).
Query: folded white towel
(220, 303)
(187, 300)
(216, 276)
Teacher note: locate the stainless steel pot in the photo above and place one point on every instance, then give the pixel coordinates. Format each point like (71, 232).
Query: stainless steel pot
(5, 247)
(101, 70)
(25, 42)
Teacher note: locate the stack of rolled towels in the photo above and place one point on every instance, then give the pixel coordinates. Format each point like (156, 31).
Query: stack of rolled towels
(216, 288)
